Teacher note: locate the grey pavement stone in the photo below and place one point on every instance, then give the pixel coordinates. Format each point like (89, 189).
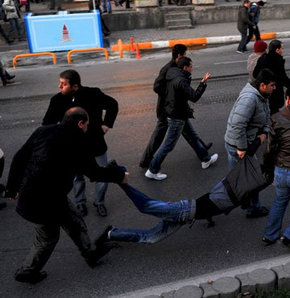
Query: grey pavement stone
(168, 294)
(265, 279)
(152, 296)
(283, 275)
(247, 284)
(189, 292)
(228, 287)
(209, 291)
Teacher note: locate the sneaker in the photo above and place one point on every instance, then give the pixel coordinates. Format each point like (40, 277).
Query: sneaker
(30, 277)
(263, 211)
(157, 176)
(239, 52)
(101, 209)
(213, 159)
(82, 209)
(285, 241)
(268, 241)
(103, 237)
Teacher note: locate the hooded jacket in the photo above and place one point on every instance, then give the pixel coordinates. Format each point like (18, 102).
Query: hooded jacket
(43, 170)
(248, 118)
(179, 92)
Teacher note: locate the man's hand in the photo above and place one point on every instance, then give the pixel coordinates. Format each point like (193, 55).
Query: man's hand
(126, 178)
(263, 137)
(205, 77)
(241, 153)
(14, 198)
(105, 128)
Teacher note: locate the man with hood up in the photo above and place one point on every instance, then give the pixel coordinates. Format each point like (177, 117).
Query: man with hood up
(249, 120)
(178, 93)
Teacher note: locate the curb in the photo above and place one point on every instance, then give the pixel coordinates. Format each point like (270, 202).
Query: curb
(198, 41)
(265, 276)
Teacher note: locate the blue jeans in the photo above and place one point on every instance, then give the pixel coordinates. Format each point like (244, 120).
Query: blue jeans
(243, 42)
(175, 128)
(173, 215)
(282, 197)
(107, 5)
(14, 24)
(233, 159)
(100, 187)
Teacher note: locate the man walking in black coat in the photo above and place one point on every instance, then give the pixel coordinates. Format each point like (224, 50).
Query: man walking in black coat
(276, 63)
(95, 102)
(40, 178)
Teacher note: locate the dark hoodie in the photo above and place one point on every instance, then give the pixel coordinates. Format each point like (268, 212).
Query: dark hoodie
(179, 92)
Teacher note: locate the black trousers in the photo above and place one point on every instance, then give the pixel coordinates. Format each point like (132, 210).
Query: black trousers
(253, 32)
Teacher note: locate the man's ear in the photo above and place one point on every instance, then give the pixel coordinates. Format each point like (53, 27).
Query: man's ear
(80, 124)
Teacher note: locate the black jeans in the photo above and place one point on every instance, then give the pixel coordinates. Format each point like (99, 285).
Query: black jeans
(243, 42)
(47, 236)
(253, 32)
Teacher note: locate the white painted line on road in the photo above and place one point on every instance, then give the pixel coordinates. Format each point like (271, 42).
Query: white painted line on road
(231, 272)
(230, 62)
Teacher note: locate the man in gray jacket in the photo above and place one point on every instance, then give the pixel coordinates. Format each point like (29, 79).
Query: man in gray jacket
(248, 120)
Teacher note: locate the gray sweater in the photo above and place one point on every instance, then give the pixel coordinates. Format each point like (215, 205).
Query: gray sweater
(248, 118)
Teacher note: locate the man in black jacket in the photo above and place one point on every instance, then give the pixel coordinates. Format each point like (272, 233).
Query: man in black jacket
(157, 137)
(274, 61)
(94, 101)
(178, 93)
(243, 24)
(40, 178)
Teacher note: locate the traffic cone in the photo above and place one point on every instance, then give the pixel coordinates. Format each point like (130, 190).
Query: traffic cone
(132, 49)
(137, 51)
(120, 47)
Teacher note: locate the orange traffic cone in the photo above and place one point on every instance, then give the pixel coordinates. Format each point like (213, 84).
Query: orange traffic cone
(132, 49)
(120, 47)
(137, 51)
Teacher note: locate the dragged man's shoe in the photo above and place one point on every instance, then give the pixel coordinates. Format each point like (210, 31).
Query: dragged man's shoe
(29, 277)
(82, 209)
(113, 164)
(285, 241)
(101, 209)
(7, 82)
(94, 256)
(157, 176)
(262, 211)
(268, 241)
(10, 77)
(103, 237)
(213, 159)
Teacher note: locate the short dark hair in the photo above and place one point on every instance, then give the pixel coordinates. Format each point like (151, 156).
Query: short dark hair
(274, 45)
(264, 76)
(261, 3)
(246, 1)
(183, 61)
(72, 76)
(75, 115)
(178, 49)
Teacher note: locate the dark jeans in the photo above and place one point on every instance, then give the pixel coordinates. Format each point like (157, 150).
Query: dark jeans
(243, 42)
(2, 32)
(47, 236)
(253, 32)
(158, 135)
(14, 24)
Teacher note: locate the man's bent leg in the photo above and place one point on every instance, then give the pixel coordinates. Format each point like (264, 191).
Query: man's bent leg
(101, 187)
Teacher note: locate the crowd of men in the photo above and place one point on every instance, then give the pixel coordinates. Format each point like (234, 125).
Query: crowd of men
(71, 143)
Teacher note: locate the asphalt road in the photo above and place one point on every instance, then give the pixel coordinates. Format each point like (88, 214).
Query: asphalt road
(234, 240)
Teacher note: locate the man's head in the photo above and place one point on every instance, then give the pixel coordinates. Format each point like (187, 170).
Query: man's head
(276, 46)
(260, 3)
(265, 82)
(69, 82)
(260, 46)
(185, 63)
(246, 3)
(178, 51)
(77, 116)
(287, 100)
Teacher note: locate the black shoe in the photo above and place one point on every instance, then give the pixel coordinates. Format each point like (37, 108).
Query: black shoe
(30, 277)
(143, 165)
(103, 237)
(263, 211)
(83, 209)
(10, 77)
(2, 205)
(120, 3)
(94, 256)
(268, 241)
(285, 241)
(101, 209)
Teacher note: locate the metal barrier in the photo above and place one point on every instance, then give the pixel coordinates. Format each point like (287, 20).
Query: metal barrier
(86, 50)
(31, 55)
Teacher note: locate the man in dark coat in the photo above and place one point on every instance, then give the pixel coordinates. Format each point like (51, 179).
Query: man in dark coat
(95, 102)
(158, 135)
(41, 176)
(243, 24)
(178, 93)
(274, 61)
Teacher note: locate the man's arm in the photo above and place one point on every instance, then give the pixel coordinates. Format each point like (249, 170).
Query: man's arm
(53, 114)
(159, 86)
